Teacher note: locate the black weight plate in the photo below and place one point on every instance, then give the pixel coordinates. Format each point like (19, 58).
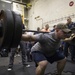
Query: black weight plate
(18, 29)
(1, 33)
(8, 26)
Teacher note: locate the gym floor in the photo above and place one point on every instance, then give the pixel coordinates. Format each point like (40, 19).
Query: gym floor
(18, 69)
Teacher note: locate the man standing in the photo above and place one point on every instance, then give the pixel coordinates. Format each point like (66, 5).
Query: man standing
(67, 45)
(46, 28)
(23, 52)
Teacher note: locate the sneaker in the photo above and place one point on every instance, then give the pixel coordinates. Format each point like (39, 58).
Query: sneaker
(10, 68)
(26, 65)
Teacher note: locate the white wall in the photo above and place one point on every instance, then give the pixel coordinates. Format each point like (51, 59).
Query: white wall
(49, 10)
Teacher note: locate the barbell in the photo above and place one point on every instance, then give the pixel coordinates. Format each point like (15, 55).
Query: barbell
(11, 29)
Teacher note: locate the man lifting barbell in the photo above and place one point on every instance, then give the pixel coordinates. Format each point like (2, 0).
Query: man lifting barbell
(45, 50)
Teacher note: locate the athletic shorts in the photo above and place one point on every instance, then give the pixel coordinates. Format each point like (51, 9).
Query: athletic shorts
(39, 56)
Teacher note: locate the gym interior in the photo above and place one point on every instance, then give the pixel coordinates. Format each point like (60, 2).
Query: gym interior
(34, 14)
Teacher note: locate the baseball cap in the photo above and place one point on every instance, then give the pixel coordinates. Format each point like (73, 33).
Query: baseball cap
(63, 27)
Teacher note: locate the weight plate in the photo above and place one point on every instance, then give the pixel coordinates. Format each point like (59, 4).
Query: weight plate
(1, 34)
(7, 28)
(17, 30)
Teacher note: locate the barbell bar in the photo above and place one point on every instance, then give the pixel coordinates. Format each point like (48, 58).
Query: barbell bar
(24, 30)
(11, 29)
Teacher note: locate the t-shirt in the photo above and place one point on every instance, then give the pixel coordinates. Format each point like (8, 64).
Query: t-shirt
(47, 43)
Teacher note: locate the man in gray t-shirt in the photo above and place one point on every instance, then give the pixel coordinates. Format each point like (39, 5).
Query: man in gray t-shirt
(48, 44)
(47, 48)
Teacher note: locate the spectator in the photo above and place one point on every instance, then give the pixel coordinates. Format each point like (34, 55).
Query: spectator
(53, 28)
(46, 29)
(67, 45)
(12, 53)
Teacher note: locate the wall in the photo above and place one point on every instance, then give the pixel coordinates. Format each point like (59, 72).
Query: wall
(49, 10)
(4, 5)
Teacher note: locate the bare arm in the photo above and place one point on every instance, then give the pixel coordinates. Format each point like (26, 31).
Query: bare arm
(26, 37)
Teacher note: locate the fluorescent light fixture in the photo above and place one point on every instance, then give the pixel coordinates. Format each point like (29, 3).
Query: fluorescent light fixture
(6, 1)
